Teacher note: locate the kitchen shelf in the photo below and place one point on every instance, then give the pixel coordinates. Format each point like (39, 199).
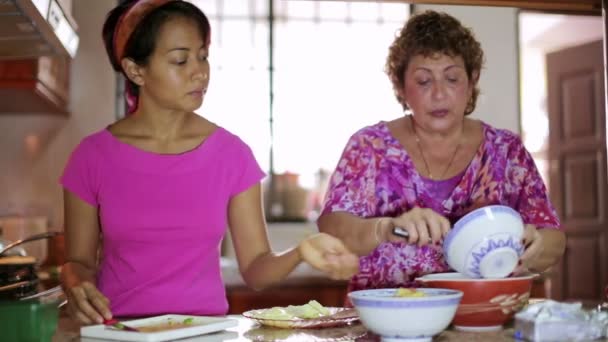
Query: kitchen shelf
(593, 7)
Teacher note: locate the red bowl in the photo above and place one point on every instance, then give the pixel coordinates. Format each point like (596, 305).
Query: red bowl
(487, 304)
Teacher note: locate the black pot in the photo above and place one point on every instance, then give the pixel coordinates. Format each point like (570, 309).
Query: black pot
(16, 269)
(18, 277)
(19, 290)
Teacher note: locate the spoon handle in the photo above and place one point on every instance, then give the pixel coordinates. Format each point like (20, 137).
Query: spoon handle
(398, 231)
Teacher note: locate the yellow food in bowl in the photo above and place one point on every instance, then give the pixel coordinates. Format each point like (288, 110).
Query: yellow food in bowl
(405, 292)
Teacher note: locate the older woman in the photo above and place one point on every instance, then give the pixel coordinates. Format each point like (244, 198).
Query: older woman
(427, 169)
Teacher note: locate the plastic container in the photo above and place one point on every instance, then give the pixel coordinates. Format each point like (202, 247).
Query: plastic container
(551, 321)
(558, 331)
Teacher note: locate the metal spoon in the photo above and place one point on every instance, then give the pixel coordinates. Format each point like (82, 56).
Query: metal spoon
(48, 292)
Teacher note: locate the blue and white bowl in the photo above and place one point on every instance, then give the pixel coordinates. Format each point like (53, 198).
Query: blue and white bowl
(406, 318)
(485, 243)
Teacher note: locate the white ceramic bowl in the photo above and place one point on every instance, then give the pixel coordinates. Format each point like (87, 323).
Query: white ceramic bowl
(485, 243)
(406, 318)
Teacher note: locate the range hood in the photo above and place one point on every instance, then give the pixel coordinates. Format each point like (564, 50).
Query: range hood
(34, 28)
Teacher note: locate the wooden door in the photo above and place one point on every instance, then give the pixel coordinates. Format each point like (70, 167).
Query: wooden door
(577, 174)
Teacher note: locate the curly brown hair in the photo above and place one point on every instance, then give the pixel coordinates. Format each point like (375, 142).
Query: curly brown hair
(429, 33)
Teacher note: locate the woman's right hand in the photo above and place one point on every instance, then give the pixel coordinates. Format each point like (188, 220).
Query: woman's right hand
(423, 225)
(86, 303)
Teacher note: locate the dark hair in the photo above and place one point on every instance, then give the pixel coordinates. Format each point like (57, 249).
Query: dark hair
(142, 42)
(426, 34)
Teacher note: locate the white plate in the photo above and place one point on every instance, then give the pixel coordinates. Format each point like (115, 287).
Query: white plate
(200, 325)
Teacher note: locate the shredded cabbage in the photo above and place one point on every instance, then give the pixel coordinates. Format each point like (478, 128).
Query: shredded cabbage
(312, 309)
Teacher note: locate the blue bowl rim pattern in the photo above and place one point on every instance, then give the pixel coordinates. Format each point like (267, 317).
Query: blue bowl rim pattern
(461, 223)
(385, 298)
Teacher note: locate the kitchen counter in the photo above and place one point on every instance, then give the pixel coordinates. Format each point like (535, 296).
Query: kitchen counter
(248, 330)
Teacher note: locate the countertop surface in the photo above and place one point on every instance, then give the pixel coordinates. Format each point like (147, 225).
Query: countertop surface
(248, 330)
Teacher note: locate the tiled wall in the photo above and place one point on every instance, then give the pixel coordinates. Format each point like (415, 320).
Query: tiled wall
(34, 148)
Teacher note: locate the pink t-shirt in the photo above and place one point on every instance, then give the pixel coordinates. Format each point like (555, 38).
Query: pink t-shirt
(162, 218)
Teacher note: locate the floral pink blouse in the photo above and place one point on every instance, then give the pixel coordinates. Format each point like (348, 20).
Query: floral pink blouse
(376, 177)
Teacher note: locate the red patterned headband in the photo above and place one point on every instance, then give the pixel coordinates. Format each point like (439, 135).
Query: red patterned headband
(129, 21)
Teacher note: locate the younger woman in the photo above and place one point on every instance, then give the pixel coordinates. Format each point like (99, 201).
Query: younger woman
(160, 186)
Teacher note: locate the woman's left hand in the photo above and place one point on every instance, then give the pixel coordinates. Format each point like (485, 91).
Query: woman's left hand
(533, 248)
(328, 254)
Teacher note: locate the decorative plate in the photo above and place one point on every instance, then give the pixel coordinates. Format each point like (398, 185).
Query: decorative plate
(337, 317)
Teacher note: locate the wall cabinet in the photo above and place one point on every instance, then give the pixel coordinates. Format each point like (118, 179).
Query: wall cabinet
(34, 85)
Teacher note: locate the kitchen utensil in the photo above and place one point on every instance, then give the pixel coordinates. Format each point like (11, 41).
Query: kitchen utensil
(16, 227)
(114, 323)
(50, 292)
(18, 269)
(18, 290)
(28, 239)
(20, 251)
(17, 285)
(398, 231)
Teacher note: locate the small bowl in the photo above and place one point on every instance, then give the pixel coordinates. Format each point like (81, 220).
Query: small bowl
(406, 318)
(485, 243)
(487, 304)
